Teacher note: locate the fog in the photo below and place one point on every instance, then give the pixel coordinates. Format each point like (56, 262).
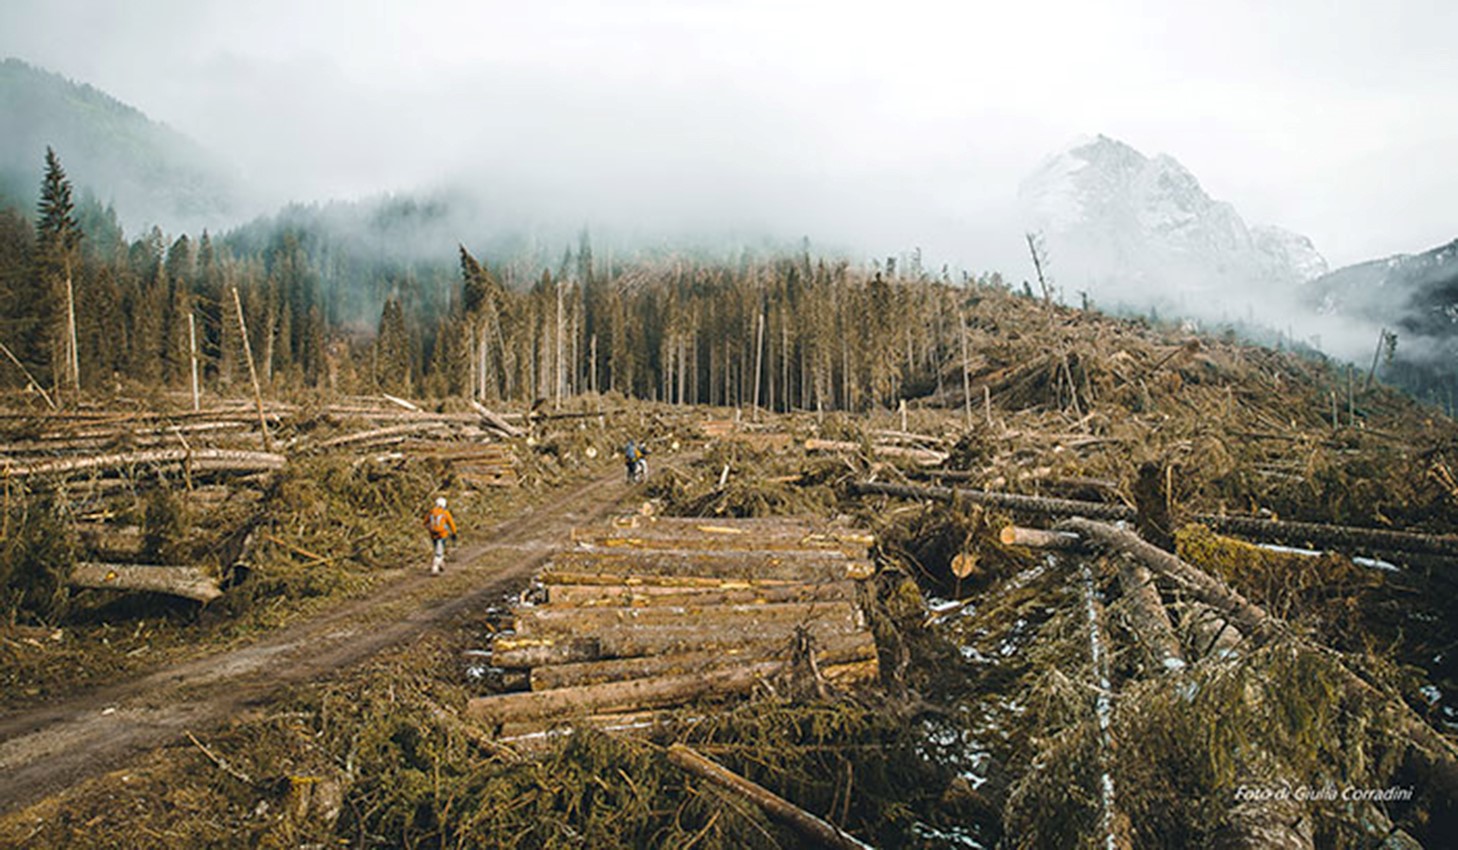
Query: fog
(869, 128)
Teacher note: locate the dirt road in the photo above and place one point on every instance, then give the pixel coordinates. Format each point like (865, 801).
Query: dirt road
(47, 749)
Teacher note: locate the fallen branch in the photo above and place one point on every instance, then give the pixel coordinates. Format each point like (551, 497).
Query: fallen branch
(808, 826)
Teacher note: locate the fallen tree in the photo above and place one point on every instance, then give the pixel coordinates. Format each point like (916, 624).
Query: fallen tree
(187, 582)
(197, 460)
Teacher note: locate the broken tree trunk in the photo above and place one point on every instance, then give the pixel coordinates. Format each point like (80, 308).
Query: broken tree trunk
(187, 582)
(843, 649)
(808, 826)
(1039, 505)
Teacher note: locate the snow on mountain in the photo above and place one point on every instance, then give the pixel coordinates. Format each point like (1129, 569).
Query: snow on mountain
(1128, 227)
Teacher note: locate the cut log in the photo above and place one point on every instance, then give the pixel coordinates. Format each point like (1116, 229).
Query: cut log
(187, 582)
(726, 538)
(516, 652)
(198, 460)
(633, 695)
(639, 694)
(842, 649)
(1035, 505)
(660, 583)
(788, 565)
(808, 826)
(1038, 538)
(534, 622)
(625, 595)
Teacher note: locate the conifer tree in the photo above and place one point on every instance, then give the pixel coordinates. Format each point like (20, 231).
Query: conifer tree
(58, 238)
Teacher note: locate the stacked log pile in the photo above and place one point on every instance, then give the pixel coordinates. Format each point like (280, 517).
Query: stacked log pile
(655, 613)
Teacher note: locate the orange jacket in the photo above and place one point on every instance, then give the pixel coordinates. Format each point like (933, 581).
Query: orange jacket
(440, 523)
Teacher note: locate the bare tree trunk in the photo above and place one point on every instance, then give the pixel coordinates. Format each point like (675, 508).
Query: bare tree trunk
(74, 357)
(252, 371)
(192, 347)
(758, 360)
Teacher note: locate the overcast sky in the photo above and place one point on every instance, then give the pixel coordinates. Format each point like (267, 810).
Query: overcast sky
(876, 126)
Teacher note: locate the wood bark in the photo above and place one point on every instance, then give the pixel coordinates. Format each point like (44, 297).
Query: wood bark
(842, 649)
(1036, 505)
(626, 595)
(632, 695)
(187, 582)
(789, 565)
(520, 651)
(645, 583)
(717, 618)
(220, 460)
(808, 826)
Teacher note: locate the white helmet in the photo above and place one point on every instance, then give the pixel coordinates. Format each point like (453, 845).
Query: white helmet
(440, 502)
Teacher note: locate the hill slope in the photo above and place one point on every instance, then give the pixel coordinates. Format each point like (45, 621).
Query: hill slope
(150, 172)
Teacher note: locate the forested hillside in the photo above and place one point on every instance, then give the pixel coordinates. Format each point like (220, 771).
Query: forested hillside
(355, 313)
(147, 170)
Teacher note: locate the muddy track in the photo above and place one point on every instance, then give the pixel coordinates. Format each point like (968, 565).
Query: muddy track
(50, 748)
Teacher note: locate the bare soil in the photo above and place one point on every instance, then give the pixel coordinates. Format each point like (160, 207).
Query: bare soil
(47, 749)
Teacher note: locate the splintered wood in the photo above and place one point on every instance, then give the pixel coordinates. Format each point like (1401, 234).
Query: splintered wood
(648, 614)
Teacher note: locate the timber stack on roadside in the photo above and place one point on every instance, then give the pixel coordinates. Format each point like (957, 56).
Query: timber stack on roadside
(648, 614)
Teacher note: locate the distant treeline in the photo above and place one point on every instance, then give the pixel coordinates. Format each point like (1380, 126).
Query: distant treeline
(337, 314)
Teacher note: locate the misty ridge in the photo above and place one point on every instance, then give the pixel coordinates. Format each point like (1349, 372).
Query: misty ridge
(1115, 230)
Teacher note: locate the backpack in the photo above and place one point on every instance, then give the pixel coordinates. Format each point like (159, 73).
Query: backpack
(631, 453)
(437, 522)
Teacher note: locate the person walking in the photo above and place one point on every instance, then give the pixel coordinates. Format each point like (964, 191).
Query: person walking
(442, 526)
